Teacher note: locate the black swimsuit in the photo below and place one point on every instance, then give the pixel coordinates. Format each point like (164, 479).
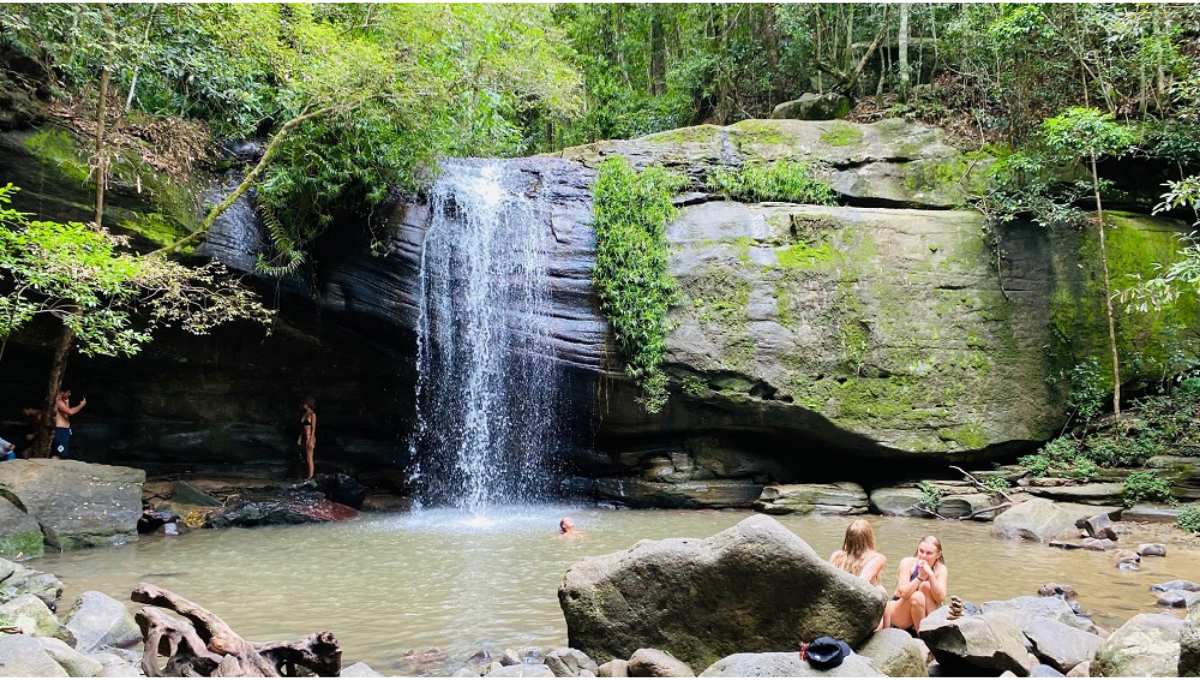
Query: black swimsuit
(916, 570)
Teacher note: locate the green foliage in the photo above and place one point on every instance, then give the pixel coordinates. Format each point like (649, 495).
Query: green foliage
(1087, 389)
(996, 483)
(786, 181)
(112, 300)
(1145, 485)
(1085, 132)
(383, 90)
(929, 497)
(632, 210)
(1062, 457)
(1189, 518)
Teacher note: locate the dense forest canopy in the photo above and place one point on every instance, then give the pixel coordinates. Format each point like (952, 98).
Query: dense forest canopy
(396, 86)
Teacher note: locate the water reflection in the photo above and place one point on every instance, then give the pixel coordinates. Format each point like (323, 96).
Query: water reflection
(459, 582)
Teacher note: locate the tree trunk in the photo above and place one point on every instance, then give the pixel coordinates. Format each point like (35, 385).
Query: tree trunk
(101, 155)
(902, 40)
(1108, 304)
(58, 368)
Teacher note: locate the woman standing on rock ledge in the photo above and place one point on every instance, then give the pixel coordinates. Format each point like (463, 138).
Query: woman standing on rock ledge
(858, 555)
(920, 587)
(308, 432)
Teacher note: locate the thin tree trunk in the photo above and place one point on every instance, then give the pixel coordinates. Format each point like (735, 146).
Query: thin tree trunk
(902, 40)
(1108, 304)
(213, 214)
(101, 156)
(58, 368)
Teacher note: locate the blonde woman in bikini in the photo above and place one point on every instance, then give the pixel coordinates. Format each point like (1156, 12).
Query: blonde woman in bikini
(858, 555)
(920, 587)
(308, 432)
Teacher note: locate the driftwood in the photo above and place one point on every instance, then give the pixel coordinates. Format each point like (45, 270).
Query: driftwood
(205, 646)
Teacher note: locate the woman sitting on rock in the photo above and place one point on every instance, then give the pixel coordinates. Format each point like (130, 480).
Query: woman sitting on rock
(858, 555)
(920, 587)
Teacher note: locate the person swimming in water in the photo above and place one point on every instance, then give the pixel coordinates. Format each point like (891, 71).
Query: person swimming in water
(566, 528)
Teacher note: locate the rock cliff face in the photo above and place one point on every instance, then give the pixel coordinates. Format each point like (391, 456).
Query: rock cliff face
(806, 340)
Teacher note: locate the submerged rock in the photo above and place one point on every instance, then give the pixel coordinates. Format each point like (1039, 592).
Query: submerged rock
(293, 508)
(753, 587)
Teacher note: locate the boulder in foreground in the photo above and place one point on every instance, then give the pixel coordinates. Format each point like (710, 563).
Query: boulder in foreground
(755, 587)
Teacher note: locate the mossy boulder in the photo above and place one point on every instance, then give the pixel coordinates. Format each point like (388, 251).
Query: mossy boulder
(811, 106)
(891, 162)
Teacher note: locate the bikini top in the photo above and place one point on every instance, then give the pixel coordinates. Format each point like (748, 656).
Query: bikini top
(306, 422)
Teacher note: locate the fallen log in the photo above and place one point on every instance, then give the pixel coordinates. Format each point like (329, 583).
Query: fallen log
(205, 646)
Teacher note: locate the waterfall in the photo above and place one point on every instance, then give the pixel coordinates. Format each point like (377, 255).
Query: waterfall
(487, 393)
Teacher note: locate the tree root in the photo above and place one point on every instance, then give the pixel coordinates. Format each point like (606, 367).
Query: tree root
(205, 646)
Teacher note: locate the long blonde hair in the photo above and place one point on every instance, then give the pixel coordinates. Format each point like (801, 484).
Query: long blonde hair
(857, 548)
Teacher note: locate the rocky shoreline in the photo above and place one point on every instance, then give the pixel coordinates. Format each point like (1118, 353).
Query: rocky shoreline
(738, 603)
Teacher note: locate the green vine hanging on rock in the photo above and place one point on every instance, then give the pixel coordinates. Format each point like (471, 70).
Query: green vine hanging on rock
(632, 211)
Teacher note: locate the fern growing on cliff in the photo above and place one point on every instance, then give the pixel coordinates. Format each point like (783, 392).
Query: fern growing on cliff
(631, 213)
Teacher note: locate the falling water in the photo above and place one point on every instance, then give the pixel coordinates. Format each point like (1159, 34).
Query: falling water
(487, 388)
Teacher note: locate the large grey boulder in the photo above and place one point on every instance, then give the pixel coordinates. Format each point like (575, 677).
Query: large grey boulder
(754, 587)
(23, 656)
(1189, 643)
(98, 621)
(813, 106)
(655, 663)
(1028, 608)
(1059, 645)
(78, 505)
(897, 501)
(988, 641)
(842, 498)
(895, 653)
(17, 580)
(20, 534)
(1146, 646)
(787, 665)
(1037, 519)
(34, 618)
